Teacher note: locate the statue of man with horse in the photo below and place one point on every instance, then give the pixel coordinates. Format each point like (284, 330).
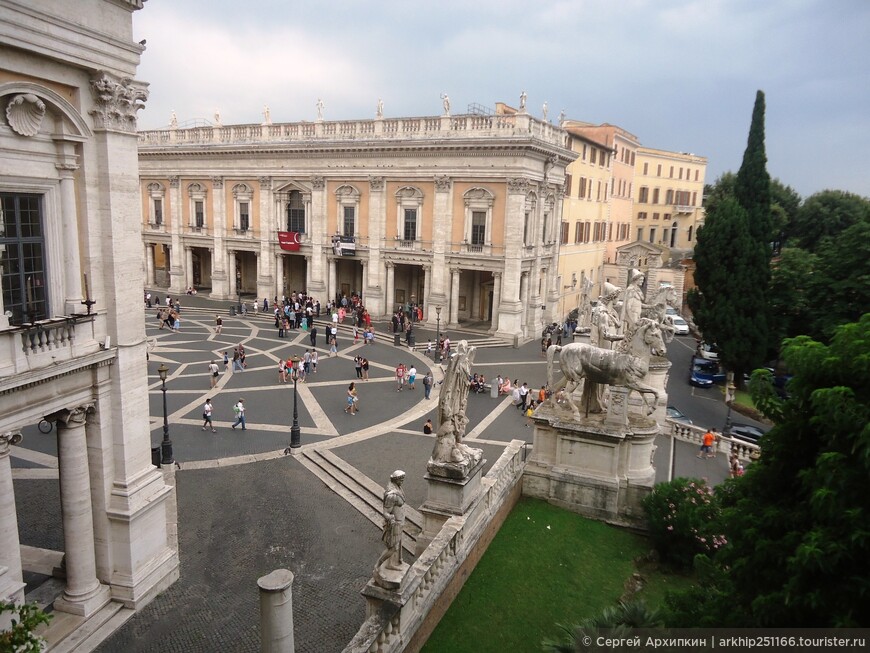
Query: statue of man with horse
(627, 365)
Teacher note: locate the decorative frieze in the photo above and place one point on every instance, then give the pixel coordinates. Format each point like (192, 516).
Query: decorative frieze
(318, 182)
(217, 182)
(24, 114)
(443, 184)
(518, 185)
(376, 183)
(265, 182)
(174, 181)
(118, 101)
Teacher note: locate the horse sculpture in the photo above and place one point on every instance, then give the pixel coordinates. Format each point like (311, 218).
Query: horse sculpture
(656, 308)
(626, 366)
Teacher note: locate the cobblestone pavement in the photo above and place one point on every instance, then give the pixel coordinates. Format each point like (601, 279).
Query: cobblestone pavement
(245, 509)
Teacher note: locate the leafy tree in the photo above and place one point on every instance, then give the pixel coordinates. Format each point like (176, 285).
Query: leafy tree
(798, 522)
(727, 305)
(20, 638)
(793, 302)
(828, 213)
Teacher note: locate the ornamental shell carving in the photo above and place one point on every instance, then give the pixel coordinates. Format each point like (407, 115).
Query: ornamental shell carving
(24, 114)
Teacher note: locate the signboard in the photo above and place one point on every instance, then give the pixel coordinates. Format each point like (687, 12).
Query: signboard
(343, 245)
(289, 240)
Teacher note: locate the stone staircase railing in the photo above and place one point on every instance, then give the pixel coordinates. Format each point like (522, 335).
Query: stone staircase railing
(746, 451)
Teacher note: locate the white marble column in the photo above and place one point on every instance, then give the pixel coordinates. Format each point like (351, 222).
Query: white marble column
(11, 581)
(496, 300)
(279, 275)
(524, 300)
(83, 594)
(219, 285)
(188, 267)
(231, 272)
(176, 271)
(454, 298)
(70, 226)
(150, 281)
(333, 278)
(427, 280)
(390, 299)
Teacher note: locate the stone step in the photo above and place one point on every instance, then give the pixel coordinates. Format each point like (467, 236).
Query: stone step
(67, 633)
(361, 494)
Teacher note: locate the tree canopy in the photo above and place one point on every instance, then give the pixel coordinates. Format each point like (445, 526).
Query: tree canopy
(828, 213)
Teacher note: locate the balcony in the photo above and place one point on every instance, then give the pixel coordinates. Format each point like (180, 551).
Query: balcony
(159, 227)
(680, 208)
(47, 344)
(197, 231)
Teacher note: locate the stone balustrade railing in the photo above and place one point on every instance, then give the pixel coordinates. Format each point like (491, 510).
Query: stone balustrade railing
(459, 126)
(429, 576)
(44, 343)
(695, 434)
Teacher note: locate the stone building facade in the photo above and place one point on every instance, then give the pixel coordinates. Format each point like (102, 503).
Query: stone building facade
(453, 211)
(70, 253)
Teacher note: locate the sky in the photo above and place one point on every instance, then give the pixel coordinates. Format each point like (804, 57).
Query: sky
(679, 74)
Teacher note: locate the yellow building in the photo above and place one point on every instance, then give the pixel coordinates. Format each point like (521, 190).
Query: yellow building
(669, 190)
(597, 208)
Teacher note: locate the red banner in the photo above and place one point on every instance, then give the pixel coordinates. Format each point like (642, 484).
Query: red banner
(289, 240)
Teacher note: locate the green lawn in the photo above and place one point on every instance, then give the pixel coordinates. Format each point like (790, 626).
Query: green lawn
(545, 566)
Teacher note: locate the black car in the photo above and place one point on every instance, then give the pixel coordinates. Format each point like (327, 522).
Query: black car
(746, 432)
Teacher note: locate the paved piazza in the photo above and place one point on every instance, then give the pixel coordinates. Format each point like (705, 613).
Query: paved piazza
(245, 508)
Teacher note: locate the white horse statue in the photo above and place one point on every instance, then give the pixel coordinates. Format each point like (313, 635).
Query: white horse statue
(627, 365)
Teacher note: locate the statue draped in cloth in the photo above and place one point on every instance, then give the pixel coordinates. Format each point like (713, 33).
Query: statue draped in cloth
(389, 569)
(451, 457)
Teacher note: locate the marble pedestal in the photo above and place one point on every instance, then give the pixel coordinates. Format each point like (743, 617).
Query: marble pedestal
(598, 466)
(445, 498)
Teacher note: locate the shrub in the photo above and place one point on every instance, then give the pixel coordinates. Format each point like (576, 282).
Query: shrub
(683, 521)
(20, 638)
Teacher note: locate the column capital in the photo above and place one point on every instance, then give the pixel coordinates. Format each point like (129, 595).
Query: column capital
(7, 440)
(443, 184)
(174, 181)
(118, 101)
(217, 182)
(376, 183)
(72, 417)
(318, 182)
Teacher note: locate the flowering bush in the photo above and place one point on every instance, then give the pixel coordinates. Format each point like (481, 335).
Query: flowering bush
(683, 520)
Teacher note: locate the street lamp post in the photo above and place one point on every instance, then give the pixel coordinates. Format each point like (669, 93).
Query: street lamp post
(438, 331)
(295, 433)
(166, 445)
(730, 389)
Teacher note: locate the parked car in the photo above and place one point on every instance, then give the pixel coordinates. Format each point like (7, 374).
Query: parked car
(681, 327)
(746, 432)
(676, 414)
(704, 373)
(708, 351)
(670, 310)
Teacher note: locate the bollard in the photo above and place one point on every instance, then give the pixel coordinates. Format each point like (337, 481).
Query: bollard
(493, 389)
(397, 339)
(276, 612)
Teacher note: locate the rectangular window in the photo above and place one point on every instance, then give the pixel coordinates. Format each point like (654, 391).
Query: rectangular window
(22, 258)
(694, 198)
(199, 213)
(578, 232)
(349, 226)
(158, 212)
(296, 212)
(669, 197)
(582, 192)
(696, 175)
(671, 175)
(667, 217)
(593, 154)
(478, 227)
(640, 233)
(646, 168)
(565, 229)
(584, 151)
(655, 216)
(681, 173)
(632, 158)
(655, 199)
(527, 228)
(658, 174)
(598, 195)
(641, 215)
(244, 216)
(652, 234)
(410, 232)
(567, 185)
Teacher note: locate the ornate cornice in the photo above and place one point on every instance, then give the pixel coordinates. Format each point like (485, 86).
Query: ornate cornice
(118, 100)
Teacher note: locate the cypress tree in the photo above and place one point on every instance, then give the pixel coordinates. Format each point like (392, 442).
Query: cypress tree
(753, 181)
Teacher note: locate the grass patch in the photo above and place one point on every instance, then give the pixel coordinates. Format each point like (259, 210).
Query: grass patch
(545, 566)
(743, 398)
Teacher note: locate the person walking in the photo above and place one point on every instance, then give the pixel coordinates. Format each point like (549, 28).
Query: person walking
(314, 361)
(333, 344)
(427, 385)
(352, 399)
(226, 361)
(215, 372)
(400, 377)
(412, 376)
(312, 335)
(524, 396)
(219, 323)
(707, 445)
(306, 362)
(237, 361)
(239, 410)
(430, 351)
(206, 416)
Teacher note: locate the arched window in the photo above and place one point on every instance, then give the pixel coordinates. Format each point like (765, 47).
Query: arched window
(156, 193)
(296, 212)
(409, 209)
(478, 218)
(197, 194)
(244, 197)
(347, 199)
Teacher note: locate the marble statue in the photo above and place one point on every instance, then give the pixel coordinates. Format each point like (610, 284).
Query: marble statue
(633, 302)
(267, 116)
(450, 457)
(657, 309)
(561, 117)
(173, 121)
(628, 365)
(389, 569)
(445, 101)
(523, 97)
(319, 106)
(544, 111)
(379, 111)
(217, 119)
